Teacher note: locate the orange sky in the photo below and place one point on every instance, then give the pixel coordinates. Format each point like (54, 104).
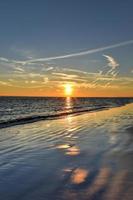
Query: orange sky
(45, 80)
(77, 92)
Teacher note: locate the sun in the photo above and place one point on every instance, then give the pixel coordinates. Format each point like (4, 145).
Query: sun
(68, 89)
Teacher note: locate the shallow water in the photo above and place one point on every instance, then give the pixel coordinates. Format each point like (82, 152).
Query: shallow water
(89, 156)
(22, 110)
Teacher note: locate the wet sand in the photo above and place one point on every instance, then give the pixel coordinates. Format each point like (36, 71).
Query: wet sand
(89, 156)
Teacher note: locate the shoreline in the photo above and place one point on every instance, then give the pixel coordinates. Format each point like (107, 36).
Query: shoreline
(81, 157)
(33, 119)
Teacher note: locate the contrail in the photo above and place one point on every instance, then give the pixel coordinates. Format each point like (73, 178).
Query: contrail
(81, 53)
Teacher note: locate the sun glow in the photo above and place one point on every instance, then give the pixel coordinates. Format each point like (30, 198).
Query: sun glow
(68, 90)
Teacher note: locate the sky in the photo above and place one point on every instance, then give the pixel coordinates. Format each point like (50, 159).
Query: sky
(46, 45)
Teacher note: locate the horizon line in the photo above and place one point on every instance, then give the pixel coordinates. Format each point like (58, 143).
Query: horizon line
(69, 96)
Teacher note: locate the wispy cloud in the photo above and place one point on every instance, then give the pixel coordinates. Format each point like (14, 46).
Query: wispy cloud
(5, 83)
(19, 69)
(111, 61)
(105, 76)
(65, 75)
(34, 74)
(113, 64)
(80, 53)
(87, 52)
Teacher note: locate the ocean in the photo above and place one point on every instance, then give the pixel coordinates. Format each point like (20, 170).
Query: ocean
(66, 148)
(21, 110)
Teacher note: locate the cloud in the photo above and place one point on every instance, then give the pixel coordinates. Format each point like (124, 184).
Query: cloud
(48, 69)
(75, 71)
(32, 82)
(46, 80)
(90, 51)
(5, 83)
(87, 52)
(73, 75)
(113, 64)
(65, 75)
(19, 69)
(34, 74)
(106, 77)
(80, 53)
(111, 61)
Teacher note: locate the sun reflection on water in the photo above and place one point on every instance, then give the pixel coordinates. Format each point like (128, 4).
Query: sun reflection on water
(73, 151)
(79, 176)
(68, 103)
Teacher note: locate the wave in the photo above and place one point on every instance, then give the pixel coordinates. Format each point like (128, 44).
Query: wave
(35, 118)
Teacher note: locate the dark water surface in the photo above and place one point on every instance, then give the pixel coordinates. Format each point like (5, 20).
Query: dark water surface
(22, 110)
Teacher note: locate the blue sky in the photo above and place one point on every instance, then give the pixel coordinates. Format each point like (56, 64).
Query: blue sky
(33, 29)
